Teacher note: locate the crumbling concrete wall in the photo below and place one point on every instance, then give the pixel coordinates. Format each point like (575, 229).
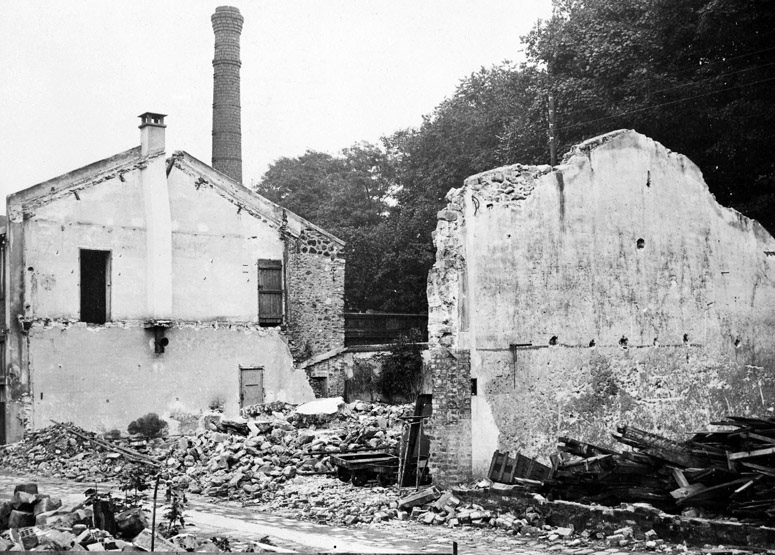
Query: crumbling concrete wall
(612, 288)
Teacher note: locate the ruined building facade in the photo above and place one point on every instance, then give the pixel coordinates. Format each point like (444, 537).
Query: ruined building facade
(611, 289)
(149, 282)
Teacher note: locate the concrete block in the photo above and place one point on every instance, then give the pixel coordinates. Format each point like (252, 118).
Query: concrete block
(24, 501)
(56, 540)
(130, 523)
(31, 488)
(28, 538)
(46, 504)
(20, 519)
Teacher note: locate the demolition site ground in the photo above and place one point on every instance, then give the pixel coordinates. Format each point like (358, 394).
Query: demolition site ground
(269, 483)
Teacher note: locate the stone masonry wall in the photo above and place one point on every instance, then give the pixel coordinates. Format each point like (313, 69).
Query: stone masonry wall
(449, 430)
(328, 377)
(315, 279)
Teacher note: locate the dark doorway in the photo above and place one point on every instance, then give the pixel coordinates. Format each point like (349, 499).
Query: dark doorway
(95, 286)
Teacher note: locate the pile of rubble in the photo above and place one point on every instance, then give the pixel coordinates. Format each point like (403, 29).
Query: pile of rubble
(326, 501)
(276, 447)
(728, 473)
(432, 507)
(235, 459)
(34, 521)
(66, 451)
(31, 521)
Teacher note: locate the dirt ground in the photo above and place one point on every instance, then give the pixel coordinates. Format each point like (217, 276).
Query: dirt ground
(280, 530)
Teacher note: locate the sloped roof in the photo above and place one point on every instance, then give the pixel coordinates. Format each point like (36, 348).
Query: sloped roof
(248, 199)
(128, 160)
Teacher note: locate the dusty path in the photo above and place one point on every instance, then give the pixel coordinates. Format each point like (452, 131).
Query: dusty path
(243, 524)
(209, 519)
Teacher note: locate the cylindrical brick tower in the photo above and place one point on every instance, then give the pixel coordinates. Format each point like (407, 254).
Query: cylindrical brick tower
(227, 130)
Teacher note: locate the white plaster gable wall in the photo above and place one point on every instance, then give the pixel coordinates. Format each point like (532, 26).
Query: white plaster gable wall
(216, 247)
(107, 216)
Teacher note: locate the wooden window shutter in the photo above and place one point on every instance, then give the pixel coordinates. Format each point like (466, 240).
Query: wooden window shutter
(270, 292)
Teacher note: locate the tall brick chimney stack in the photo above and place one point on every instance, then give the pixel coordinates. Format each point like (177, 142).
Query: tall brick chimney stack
(227, 131)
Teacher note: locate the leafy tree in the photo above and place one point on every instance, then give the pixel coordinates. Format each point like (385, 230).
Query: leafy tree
(347, 195)
(695, 75)
(401, 376)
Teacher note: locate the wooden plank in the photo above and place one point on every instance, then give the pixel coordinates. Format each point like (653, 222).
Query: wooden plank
(763, 469)
(760, 437)
(679, 477)
(683, 492)
(709, 494)
(496, 466)
(513, 472)
(744, 487)
(750, 454)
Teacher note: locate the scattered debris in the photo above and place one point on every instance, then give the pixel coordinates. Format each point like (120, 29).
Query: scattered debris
(714, 474)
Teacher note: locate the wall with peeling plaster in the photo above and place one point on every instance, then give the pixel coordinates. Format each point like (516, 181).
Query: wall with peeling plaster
(103, 377)
(610, 289)
(184, 243)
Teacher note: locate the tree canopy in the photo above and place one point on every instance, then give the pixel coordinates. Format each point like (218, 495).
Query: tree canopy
(696, 76)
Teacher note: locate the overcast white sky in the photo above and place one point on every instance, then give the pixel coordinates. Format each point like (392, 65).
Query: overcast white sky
(316, 74)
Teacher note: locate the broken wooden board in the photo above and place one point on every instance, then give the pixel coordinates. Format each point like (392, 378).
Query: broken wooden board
(419, 498)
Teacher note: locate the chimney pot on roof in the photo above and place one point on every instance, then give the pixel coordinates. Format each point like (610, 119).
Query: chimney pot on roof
(152, 133)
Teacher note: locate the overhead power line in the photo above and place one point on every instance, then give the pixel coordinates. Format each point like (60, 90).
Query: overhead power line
(672, 102)
(603, 104)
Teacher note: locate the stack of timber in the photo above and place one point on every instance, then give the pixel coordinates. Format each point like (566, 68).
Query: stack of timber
(727, 474)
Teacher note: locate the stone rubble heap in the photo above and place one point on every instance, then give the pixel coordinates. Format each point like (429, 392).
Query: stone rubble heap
(31, 521)
(277, 447)
(327, 501)
(55, 452)
(236, 459)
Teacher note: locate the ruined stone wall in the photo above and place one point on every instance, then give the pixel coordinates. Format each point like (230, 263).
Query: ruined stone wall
(315, 279)
(327, 377)
(450, 427)
(612, 288)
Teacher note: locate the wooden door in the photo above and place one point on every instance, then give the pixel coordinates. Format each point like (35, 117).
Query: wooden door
(251, 386)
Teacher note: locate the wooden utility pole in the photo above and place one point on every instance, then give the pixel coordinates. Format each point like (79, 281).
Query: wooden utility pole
(552, 132)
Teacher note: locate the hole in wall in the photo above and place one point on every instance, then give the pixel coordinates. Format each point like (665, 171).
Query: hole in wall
(686, 339)
(737, 343)
(656, 342)
(592, 343)
(553, 340)
(623, 342)
(473, 386)
(641, 243)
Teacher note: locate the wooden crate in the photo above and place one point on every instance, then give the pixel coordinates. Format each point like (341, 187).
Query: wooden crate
(505, 469)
